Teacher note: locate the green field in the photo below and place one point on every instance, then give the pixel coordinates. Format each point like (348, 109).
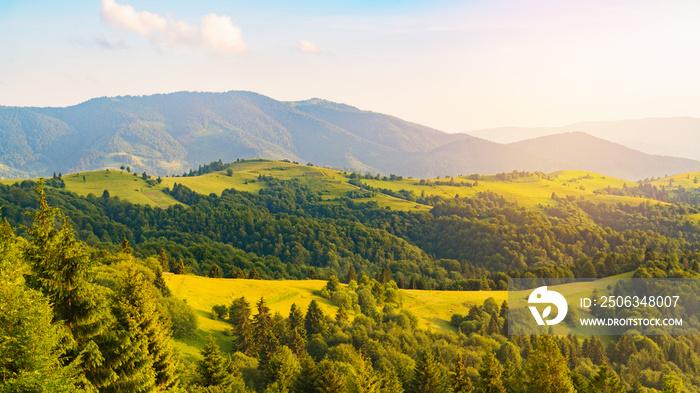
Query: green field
(433, 308)
(332, 185)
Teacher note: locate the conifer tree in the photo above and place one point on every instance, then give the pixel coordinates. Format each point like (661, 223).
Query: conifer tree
(296, 332)
(126, 247)
(177, 267)
(352, 275)
(282, 368)
(341, 316)
(296, 318)
(333, 283)
(263, 334)
(239, 315)
(215, 271)
(215, 370)
(366, 380)
(546, 368)
(30, 343)
(253, 274)
(328, 379)
(267, 348)
(461, 383)
(606, 381)
(426, 376)
(305, 382)
(315, 321)
(490, 374)
(61, 269)
(159, 283)
(297, 342)
(138, 317)
(163, 259)
(391, 382)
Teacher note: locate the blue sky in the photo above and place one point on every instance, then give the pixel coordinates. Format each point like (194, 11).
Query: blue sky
(452, 65)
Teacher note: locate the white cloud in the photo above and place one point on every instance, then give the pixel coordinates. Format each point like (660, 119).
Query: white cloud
(310, 47)
(125, 17)
(219, 34)
(215, 32)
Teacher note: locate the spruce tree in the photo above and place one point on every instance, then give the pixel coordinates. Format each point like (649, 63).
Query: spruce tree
(305, 381)
(461, 383)
(297, 342)
(263, 334)
(282, 368)
(426, 375)
(239, 315)
(315, 321)
(391, 382)
(352, 275)
(341, 316)
(61, 269)
(126, 247)
(267, 348)
(296, 318)
(215, 370)
(138, 317)
(546, 368)
(215, 271)
(328, 379)
(490, 374)
(177, 267)
(366, 379)
(159, 283)
(30, 344)
(606, 381)
(163, 259)
(333, 283)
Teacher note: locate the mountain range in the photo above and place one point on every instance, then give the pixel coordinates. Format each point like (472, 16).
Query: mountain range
(673, 136)
(167, 134)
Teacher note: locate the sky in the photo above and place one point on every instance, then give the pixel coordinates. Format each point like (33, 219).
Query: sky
(452, 65)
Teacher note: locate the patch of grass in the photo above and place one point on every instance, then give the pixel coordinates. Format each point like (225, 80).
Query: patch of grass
(119, 183)
(433, 308)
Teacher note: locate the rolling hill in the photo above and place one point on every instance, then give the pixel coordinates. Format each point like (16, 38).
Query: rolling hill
(333, 185)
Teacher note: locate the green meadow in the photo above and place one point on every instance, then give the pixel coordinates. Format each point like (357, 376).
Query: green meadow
(432, 308)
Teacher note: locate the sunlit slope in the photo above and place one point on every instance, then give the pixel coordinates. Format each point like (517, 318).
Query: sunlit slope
(433, 308)
(527, 191)
(333, 185)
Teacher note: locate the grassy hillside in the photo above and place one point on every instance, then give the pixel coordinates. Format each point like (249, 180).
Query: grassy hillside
(433, 308)
(333, 185)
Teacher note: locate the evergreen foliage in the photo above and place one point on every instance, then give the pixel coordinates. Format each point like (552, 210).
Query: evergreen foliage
(315, 321)
(546, 368)
(242, 330)
(426, 375)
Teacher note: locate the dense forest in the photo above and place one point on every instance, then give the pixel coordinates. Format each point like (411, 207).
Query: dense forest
(285, 231)
(78, 318)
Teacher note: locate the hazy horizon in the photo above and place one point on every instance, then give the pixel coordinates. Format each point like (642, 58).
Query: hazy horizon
(449, 65)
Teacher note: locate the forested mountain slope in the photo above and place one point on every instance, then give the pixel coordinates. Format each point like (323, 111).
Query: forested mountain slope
(167, 134)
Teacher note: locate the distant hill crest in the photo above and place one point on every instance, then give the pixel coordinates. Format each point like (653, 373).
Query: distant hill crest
(167, 134)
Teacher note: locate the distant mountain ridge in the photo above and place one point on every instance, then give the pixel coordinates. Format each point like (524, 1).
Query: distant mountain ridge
(672, 136)
(168, 134)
